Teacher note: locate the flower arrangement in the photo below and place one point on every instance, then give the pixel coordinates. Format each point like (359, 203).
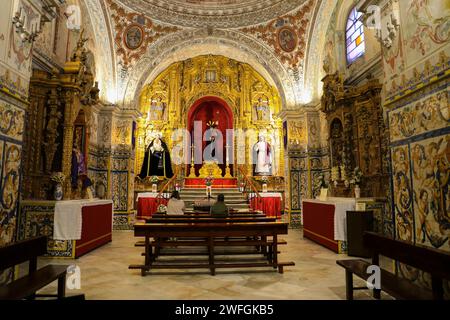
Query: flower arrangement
(343, 173)
(265, 180)
(154, 180)
(58, 177)
(335, 174)
(357, 176)
(162, 208)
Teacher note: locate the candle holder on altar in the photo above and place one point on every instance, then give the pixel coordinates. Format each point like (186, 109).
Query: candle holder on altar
(228, 172)
(227, 169)
(264, 180)
(192, 170)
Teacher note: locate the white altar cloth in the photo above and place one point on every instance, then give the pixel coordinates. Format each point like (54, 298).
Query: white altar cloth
(341, 206)
(68, 218)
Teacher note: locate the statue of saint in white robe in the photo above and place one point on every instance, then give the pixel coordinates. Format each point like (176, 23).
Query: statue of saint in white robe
(263, 158)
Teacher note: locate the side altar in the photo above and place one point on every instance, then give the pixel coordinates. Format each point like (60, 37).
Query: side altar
(73, 227)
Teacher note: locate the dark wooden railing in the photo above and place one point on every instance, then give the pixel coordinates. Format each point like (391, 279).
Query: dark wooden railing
(249, 183)
(161, 192)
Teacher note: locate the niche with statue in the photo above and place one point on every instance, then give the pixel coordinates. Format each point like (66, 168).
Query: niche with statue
(358, 139)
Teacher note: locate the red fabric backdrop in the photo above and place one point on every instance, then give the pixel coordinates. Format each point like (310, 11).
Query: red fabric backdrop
(211, 109)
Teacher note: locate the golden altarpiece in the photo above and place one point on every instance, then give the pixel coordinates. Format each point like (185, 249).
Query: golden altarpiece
(234, 96)
(60, 110)
(358, 137)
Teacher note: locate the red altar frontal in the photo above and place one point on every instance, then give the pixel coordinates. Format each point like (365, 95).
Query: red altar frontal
(147, 204)
(74, 227)
(324, 222)
(217, 183)
(268, 203)
(96, 228)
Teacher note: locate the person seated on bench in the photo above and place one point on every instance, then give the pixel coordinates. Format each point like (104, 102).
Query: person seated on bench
(175, 204)
(219, 209)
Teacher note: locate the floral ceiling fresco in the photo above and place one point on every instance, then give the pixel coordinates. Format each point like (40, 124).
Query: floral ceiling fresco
(286, 34)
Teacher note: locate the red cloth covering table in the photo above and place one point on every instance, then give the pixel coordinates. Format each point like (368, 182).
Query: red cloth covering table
(147, 204)
(96, 227)
(88, 223)
(324, 222)
(269, 203)
(199, 183)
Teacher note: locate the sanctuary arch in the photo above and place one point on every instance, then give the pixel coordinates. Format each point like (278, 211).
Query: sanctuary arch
(217, 90)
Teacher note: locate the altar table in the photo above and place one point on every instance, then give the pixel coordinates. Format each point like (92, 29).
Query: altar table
(270, 203)
(147, 204)
(80, 225)
(324, 222)
(217, 183)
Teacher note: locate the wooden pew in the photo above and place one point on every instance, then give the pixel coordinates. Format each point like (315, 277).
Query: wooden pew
(27, 286)
(430, 260)
(206, 235)
(206, 215)
(207, 219)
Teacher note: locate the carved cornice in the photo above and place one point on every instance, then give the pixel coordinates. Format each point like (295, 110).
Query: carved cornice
(244, 13)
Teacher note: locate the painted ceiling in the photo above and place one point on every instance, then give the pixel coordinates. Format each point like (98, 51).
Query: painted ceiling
(213, 13)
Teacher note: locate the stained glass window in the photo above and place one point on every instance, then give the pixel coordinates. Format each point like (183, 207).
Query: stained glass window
(354, 36)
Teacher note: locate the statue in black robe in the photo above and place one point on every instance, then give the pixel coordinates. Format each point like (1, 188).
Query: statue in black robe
(157, 160)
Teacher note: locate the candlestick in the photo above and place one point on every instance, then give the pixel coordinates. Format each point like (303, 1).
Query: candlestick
(227, 157)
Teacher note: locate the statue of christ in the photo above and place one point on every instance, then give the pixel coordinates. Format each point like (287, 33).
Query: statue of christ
(262, 155)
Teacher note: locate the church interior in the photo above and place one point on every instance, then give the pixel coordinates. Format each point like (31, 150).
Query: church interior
(225, 149)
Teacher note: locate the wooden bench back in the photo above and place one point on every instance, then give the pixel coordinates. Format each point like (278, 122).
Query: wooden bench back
(205, 215)
(22, 251)
(430, 260)
(210, 229)
(210, 220)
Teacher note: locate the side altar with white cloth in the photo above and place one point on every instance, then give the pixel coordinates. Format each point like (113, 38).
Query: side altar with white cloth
(325, 221)
(73, 227)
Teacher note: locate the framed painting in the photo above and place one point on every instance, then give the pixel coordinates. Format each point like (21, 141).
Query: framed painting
(287, 39)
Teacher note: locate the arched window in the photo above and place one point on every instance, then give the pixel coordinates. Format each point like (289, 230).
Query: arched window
(354, 35)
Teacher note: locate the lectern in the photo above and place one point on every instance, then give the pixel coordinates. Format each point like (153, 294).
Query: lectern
(358, 222)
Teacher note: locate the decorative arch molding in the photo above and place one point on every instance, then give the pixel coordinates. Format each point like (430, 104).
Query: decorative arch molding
(194, 15)
(223, 101)
(190, 43)
(201, 96)
(104, 55)
(315, 55)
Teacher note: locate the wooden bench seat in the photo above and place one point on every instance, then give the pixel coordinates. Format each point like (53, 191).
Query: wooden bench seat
(142, 243)
(210, 219)
(429, 260)
(395, 286)
(27, 286)
(205, 215)
(206, 235)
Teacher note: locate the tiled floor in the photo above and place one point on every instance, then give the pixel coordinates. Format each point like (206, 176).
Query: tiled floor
(105, 275)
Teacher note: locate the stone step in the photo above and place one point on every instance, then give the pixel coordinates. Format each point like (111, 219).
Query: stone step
(202, 196)
(213, 193)
(214, 189)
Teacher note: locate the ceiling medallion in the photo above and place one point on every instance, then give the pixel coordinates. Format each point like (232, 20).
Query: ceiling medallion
(133, 36)
(287, 39)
